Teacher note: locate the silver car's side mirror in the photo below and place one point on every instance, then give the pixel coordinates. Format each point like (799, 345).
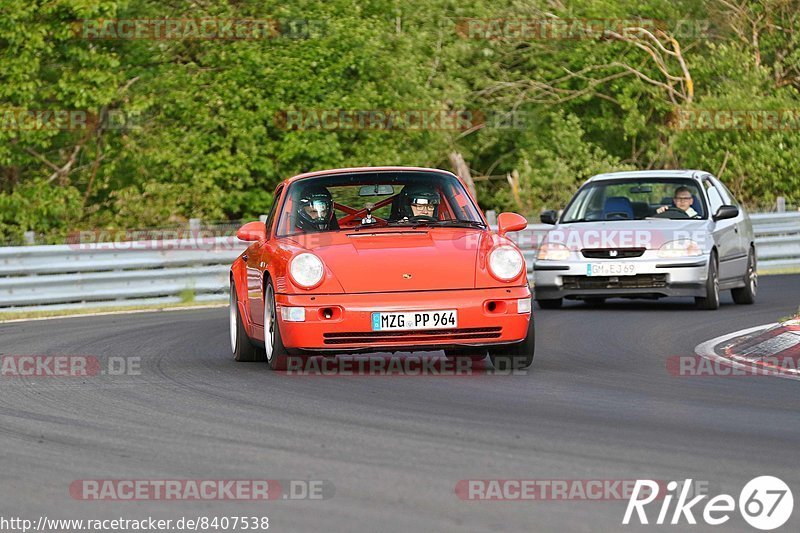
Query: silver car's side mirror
(726, 211)
(548, 217)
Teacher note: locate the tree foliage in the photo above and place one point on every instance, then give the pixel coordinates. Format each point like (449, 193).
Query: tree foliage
(194, 127)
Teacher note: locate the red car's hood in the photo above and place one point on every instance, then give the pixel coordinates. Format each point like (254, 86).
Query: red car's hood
(399, 259)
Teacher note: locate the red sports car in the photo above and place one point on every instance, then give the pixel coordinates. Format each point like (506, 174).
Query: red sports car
(379, 259)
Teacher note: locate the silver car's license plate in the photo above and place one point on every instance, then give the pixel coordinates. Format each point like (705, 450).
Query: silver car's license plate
(611, 269)
(444, 319)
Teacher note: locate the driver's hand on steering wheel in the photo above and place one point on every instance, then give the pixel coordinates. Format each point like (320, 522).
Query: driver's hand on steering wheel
(662, 209)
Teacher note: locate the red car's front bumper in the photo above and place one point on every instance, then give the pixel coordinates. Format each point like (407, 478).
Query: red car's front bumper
(485, 317)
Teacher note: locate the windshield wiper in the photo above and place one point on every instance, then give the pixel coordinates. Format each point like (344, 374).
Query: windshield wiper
(434, 223)
(469, 223)
(413, 223)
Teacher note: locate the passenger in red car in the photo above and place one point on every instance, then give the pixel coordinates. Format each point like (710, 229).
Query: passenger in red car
(420, 201)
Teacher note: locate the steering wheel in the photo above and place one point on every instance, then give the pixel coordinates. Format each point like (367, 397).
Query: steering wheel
(672, 212)
(422, 218)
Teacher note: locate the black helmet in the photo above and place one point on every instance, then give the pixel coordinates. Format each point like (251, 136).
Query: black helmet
(419, 194)
(319, 200)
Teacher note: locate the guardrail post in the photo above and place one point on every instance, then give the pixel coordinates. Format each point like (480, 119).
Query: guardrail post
(780, 204)
(30, 237)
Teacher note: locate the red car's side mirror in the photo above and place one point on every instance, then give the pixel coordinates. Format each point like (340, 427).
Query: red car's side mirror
(252, 231)
(510, 222)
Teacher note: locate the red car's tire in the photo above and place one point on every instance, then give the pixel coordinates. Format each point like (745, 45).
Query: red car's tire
(242, 347)
(276, 354)
(515, 356)
(474, 354)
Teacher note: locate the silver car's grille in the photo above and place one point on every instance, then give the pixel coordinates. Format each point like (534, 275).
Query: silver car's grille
(612, 253)
(639, 281)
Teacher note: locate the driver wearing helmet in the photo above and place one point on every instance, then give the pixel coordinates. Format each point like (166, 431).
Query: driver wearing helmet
(419, 200)
(315, 210)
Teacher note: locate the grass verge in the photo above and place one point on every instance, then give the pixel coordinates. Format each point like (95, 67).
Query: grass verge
(58, 313)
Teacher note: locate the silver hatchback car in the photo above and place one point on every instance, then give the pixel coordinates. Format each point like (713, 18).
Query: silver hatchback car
(647, 234)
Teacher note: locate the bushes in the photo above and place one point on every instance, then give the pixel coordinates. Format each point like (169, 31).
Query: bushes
(201, 135)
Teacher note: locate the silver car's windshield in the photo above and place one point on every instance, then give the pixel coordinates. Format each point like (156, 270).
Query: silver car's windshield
(636, 200)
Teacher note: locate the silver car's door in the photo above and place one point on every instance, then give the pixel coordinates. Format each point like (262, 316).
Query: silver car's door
(725, 233)
(743, 220)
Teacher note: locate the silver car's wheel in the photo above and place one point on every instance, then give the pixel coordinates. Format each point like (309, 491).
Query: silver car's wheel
(711, 300)
(555, 303)
(747, 295)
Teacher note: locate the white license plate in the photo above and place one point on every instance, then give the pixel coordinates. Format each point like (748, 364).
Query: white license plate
(415, 320)
(611, 269)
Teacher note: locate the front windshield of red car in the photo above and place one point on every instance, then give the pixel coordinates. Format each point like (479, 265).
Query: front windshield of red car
(383, 199)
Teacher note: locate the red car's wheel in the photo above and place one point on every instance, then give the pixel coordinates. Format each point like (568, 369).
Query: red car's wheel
(474, 354)
(276, 354)
(241, 346)
(515, 356)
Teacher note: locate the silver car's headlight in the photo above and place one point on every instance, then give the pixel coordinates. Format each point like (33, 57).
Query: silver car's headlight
(553, 252)
(306, 270)
(505, 262)
(679, 248)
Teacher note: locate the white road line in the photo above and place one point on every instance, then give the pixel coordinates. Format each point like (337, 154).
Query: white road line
(706, 350)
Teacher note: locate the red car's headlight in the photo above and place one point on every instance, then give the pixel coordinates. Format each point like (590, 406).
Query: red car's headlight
(306, 270)
(505, 262)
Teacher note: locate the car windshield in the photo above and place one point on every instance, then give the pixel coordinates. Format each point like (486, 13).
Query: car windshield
(359, 200)
(629, 199)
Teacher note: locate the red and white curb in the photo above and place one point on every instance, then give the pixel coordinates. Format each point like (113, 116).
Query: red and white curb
(768, 350)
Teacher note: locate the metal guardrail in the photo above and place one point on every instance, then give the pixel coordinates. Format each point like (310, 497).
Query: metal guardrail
(115, 274)
(167, 271)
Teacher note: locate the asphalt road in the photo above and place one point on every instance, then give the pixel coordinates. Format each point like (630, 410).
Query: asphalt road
(598, 404)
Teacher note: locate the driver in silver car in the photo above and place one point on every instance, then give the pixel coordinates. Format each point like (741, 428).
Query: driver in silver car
(683, 200)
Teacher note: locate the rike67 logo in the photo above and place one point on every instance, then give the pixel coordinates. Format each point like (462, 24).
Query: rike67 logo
(765, 503)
